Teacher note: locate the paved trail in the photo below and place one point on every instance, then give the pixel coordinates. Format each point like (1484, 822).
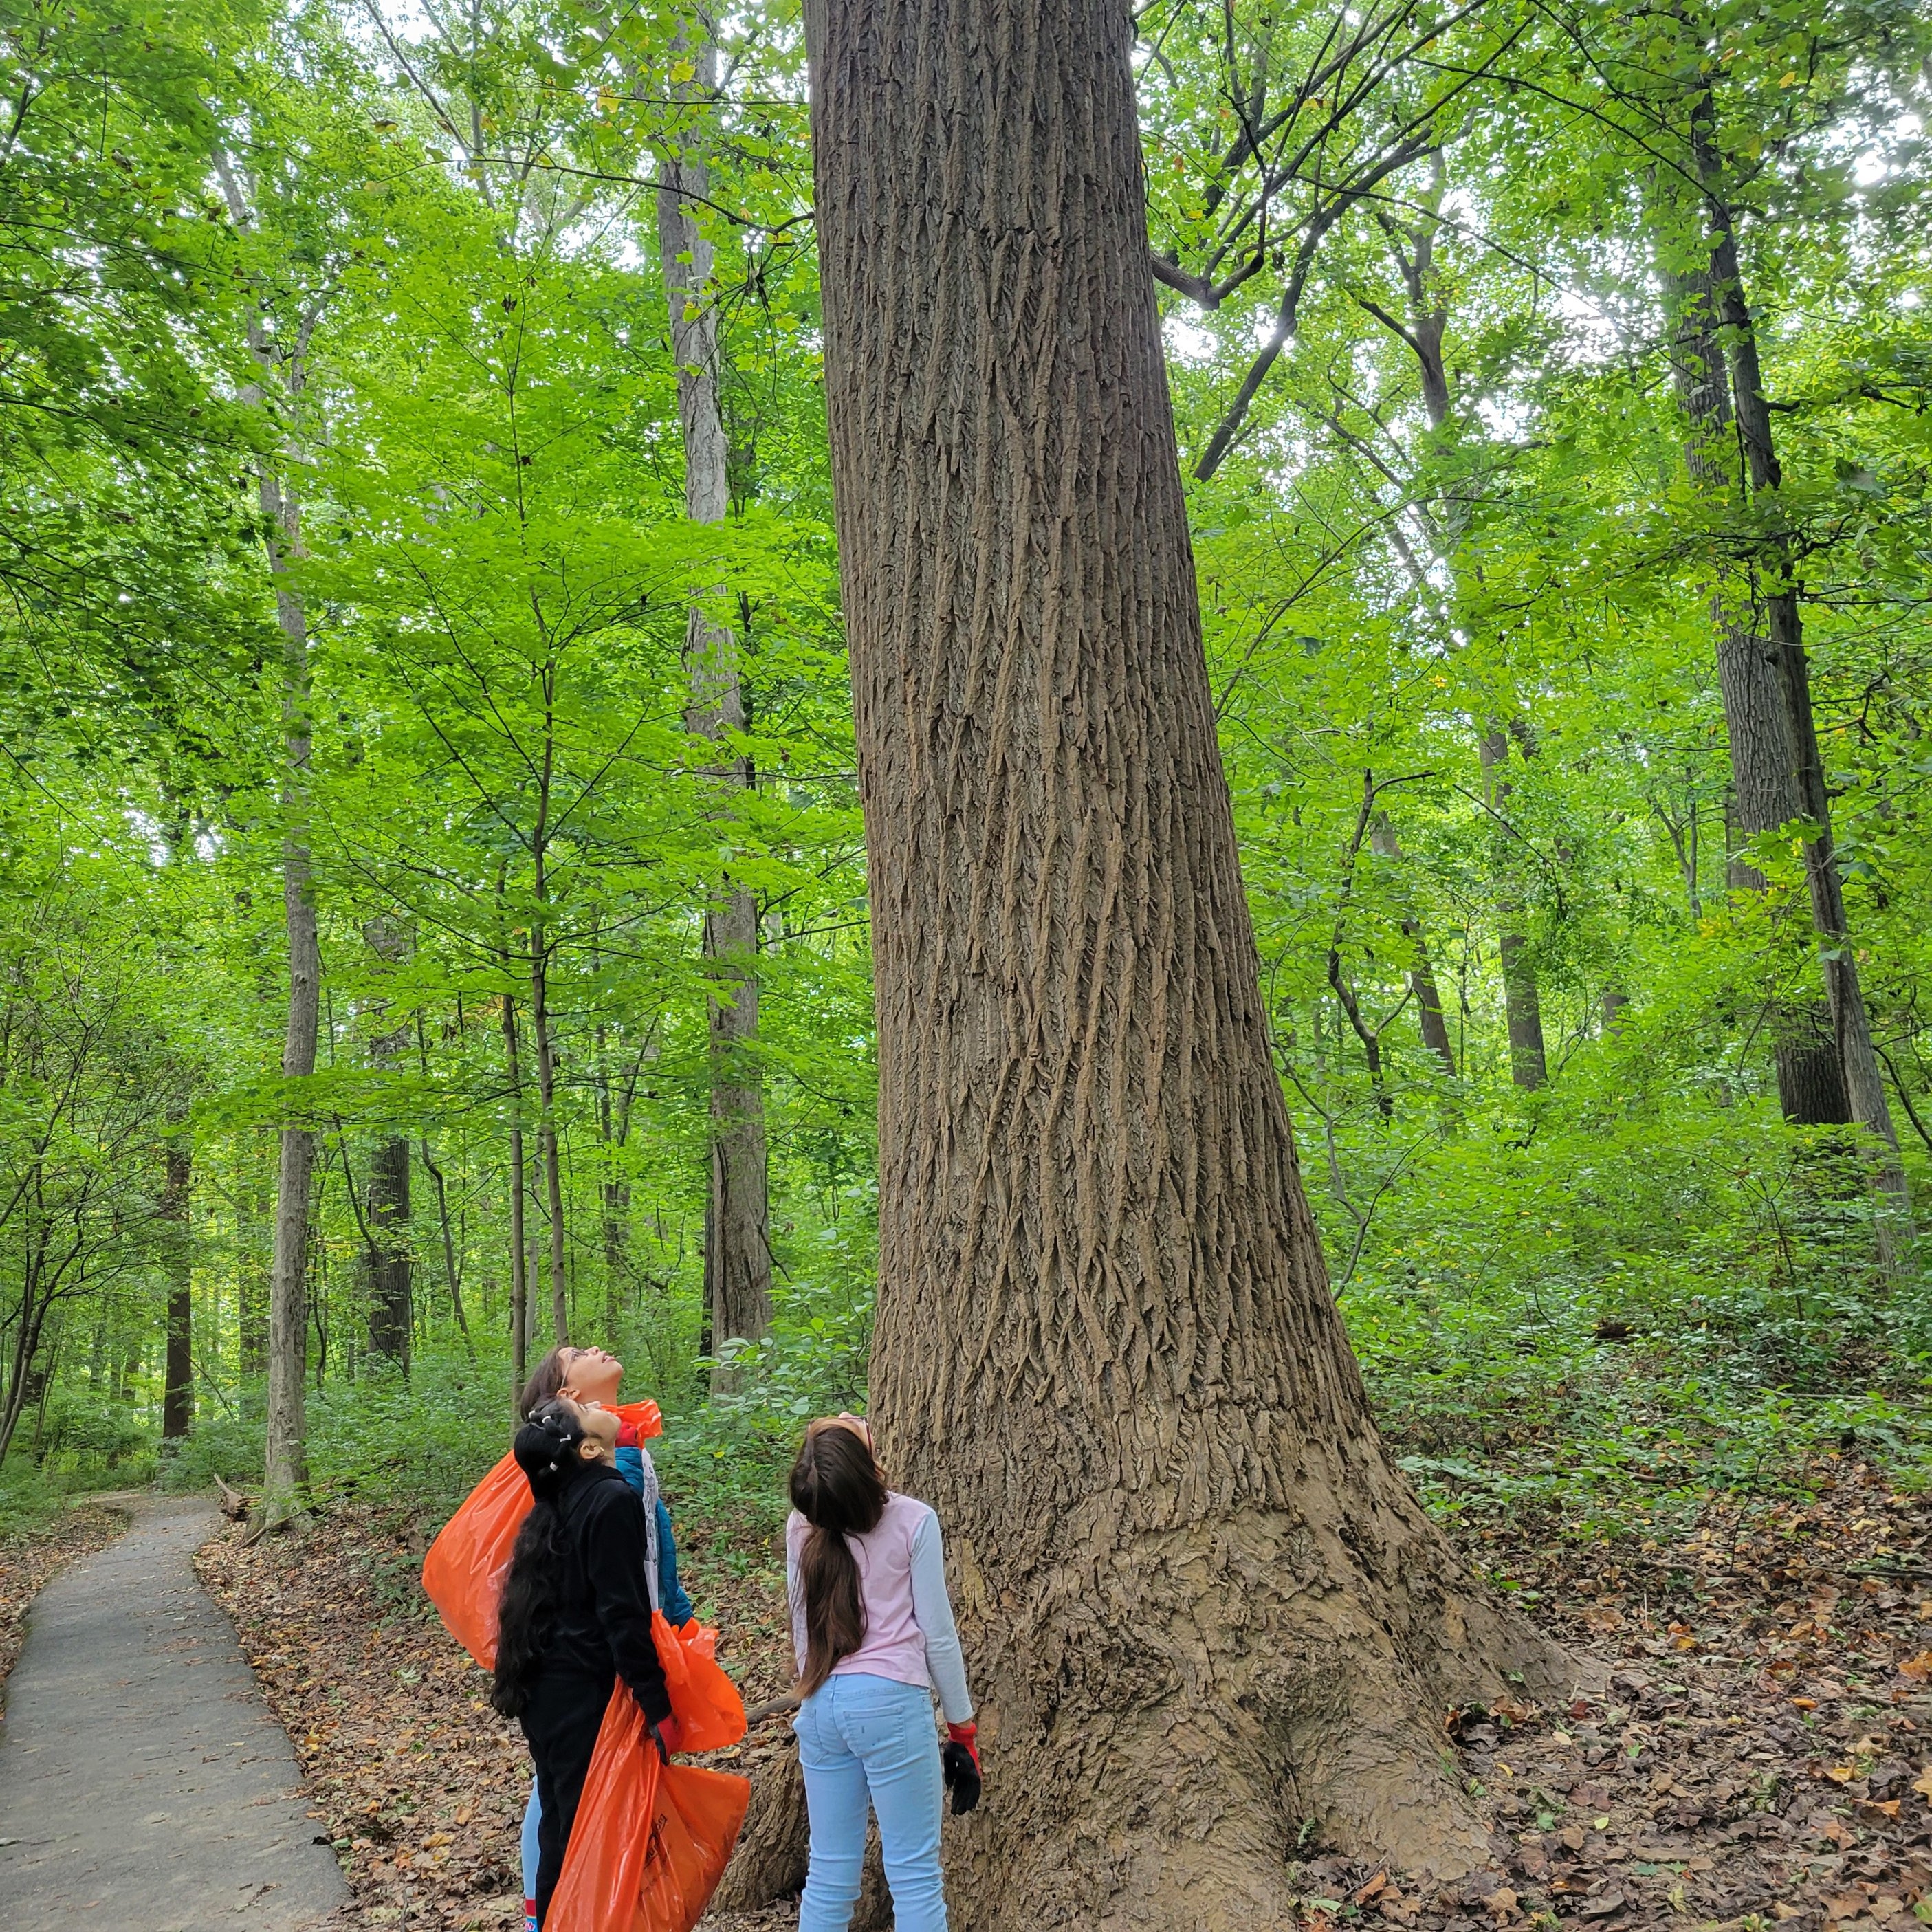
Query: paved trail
(144, 1785)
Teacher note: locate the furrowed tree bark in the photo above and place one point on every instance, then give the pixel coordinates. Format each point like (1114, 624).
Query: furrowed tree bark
(1765, 794)
(1203, 1610)
(737, 1249)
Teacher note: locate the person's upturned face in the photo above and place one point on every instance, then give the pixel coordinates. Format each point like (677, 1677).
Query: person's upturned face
(601, 1425)
(592, 1375)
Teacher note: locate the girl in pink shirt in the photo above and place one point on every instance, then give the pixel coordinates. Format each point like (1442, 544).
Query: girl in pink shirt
(872, 1628)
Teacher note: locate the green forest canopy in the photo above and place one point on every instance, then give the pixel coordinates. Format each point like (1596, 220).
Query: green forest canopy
(345, 468)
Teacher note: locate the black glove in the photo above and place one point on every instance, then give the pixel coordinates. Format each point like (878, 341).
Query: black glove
(962, 1775)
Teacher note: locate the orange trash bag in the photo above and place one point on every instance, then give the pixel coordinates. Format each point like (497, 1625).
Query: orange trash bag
(651, 1840)
(710, 1712)
(464, 1572)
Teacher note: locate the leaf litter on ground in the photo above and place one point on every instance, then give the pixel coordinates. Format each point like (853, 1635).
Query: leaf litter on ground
(1760, 1758)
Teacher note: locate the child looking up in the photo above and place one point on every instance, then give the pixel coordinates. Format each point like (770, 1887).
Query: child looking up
(574, 1616)
(872, 1628)
(593, 1376)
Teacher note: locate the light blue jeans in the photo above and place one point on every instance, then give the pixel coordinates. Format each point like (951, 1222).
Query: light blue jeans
(861, 1737)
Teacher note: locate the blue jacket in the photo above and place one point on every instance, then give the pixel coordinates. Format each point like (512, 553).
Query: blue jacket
(671, 1598)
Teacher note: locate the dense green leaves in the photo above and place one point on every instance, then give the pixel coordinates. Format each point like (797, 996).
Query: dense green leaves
(1458, 578)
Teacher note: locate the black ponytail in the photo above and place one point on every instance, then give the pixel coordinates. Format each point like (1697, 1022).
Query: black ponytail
(546, 1451)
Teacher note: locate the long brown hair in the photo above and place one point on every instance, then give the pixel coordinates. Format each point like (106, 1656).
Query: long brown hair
(836, 1486)
(548, 1376)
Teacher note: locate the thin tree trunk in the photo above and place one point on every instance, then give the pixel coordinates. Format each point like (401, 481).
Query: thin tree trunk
(1521, 1001)
(519, 1285)
(1411, 249)
(546, 1149)
(251, 1212)
(738, 1255)
(1385, 843)
(177, 1379)
(1200, 1602)
(614, 1193)
(388, 1269)
(452, 1275)
(286, 1471)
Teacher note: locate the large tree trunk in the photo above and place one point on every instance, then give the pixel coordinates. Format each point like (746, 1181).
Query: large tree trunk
(178, 1380)
(1522, 1002)
(1202, 1608)
(287, 1472)
(737, 1252)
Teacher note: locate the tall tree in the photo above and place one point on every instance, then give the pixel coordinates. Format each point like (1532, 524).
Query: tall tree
(1421, 326)
(281, 360)
(737, 1239)
(1764, 795)
(1864, 1085)
(1202, 1603)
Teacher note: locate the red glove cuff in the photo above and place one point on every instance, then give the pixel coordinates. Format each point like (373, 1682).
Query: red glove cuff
(627, 1437)
(673, 1738)
(966, 1734)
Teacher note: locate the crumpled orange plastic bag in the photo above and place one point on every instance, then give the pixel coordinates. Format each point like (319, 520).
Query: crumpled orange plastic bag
(651, 1840)
(464, 1572)
(710, 1712)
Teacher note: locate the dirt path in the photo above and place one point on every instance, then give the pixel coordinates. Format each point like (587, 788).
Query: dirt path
(143, 1781)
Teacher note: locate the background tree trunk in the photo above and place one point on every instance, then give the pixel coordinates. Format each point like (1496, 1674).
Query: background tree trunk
(252, 1212)
(737, 1254)
(177, 1379)
(1864, 1083)
(1411, 247)
(1764, 794)
(1522, 1000)
(1202, 1609)
(388, 1269)
(520, 1280)
(286, 1473)
(1385, 843)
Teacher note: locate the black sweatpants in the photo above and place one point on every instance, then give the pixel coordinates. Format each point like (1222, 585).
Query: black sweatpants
(561, 1720)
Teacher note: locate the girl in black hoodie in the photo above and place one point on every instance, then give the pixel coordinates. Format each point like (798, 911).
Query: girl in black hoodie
(575, 1616)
